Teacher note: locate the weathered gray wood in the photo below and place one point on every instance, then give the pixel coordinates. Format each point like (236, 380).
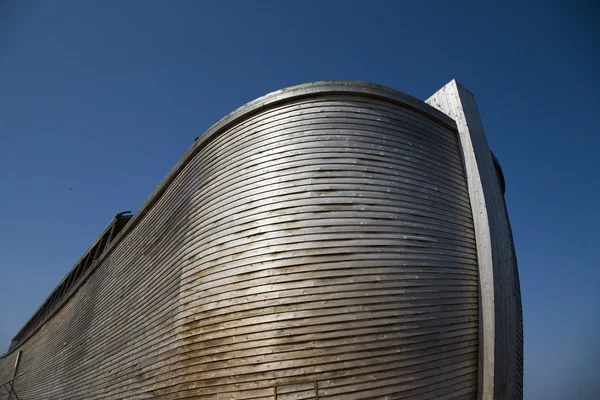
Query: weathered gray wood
(67, 286)
(322, 233)
(501, 343)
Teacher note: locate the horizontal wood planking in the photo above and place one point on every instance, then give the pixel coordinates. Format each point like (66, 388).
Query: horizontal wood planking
(74, 278)
(327, 238)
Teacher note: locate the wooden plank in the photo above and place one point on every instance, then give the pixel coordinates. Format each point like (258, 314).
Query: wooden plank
(501, 345)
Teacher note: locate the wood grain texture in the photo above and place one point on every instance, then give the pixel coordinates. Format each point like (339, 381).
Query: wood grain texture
(320, 234)
(501, 343)
(76, 277)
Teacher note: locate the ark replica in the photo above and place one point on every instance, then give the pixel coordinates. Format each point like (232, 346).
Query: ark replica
(334, 240)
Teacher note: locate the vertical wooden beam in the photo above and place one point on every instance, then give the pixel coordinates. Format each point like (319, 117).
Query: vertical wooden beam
(110, 235)
(501, 324)
(15, 372)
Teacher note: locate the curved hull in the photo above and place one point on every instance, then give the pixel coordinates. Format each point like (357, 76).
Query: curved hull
(316, 243)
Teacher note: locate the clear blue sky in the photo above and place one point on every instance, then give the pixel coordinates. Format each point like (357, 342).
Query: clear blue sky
(99, 99)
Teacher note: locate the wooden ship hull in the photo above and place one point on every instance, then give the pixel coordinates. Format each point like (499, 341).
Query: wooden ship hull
(324, 241)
